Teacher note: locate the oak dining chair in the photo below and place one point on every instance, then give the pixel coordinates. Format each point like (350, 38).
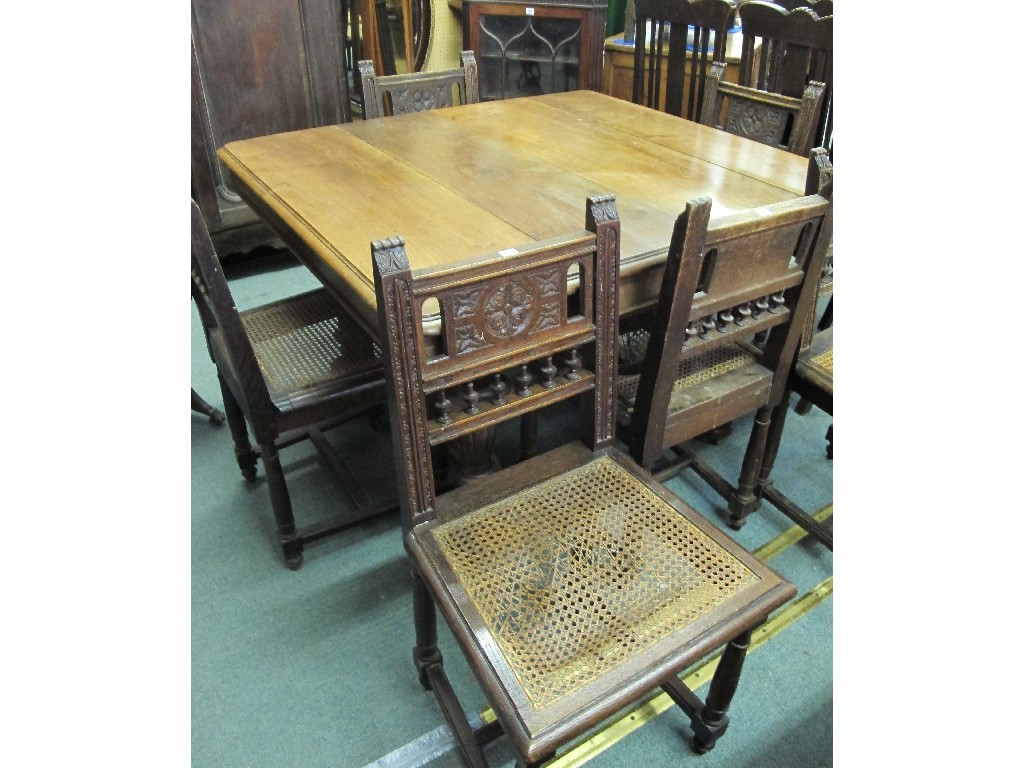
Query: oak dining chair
(785, 49)
(727, 281)
(418, 91)
(770, 118)
(675, 43)
(574, 583)
(289, 370)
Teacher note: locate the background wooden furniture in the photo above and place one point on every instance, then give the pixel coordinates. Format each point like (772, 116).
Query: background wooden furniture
(770, 118)
(258, 67)
(419, 91)
(525, 48)
(574, 583)
(617, 77)
(506, 171)
(665, 42)
(288, 370)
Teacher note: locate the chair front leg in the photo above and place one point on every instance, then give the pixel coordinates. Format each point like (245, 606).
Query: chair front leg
(291, 542)
(712, 722)
(426, 653)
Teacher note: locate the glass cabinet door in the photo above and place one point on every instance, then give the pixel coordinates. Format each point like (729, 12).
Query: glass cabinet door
(528, 55)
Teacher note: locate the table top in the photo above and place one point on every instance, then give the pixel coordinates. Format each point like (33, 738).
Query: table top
(475, 179)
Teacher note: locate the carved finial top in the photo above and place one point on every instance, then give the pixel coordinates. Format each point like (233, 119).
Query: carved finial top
(602, 208)
(389, 255)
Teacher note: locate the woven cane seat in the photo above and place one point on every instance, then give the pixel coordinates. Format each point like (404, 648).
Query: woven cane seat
(301, 344)
(693, 372)
(814, 365)
(580, 573)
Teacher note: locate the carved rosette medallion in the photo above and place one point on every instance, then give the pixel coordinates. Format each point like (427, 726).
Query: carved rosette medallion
(509, 310)
(757, 122)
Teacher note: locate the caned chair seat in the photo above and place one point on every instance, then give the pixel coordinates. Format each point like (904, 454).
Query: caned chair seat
(814, 367)
(703, 378)
(645, 573)
(304, 346)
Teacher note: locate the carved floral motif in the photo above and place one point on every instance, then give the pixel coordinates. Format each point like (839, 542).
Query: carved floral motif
(509, 310)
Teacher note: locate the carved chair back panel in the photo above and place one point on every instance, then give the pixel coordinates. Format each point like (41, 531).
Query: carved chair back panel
(520, 330)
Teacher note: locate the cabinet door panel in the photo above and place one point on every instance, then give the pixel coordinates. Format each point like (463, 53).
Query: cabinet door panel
(259, 67)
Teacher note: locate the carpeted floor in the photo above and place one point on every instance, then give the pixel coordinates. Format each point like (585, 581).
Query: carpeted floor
(313, 668)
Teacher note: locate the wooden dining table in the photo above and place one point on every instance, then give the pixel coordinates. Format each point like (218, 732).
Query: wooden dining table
(475, 179)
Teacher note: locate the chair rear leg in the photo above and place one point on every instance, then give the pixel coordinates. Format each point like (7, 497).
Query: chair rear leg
(245, 454)
(291, 542)
(744, 501)
(771, 448)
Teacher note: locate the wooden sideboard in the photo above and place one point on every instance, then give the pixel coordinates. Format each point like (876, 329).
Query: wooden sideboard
(617, 78)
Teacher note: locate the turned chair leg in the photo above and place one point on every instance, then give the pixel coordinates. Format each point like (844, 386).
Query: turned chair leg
(426, 653)
(743, 500)
(291, 542)
(771, 449)
(712, 722)
(245, 454)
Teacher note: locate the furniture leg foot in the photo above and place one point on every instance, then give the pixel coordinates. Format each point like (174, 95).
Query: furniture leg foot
(292, 548)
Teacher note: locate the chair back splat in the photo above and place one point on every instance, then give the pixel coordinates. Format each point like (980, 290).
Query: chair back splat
(573, 582)
(770, 118)
(669, 71)
(418, 91)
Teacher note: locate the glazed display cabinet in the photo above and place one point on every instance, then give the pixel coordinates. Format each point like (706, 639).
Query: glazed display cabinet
(527, 49)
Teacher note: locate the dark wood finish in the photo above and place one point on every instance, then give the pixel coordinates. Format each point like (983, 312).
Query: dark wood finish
(528, 48)
(258, 67)
(784, 50)
(350, 382)
(659, 48)
(420, 91)
(770, 118)
(725, 282)
(501, 312)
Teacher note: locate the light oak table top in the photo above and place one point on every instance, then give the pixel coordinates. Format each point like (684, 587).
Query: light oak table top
(472, 180)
